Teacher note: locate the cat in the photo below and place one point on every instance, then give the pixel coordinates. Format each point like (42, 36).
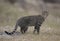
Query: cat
(27, 21)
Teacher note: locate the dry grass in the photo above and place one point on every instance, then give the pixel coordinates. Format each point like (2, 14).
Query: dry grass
(46, 34)
(50, 30)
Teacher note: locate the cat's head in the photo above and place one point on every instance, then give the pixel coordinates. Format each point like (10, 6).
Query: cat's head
(45, 14)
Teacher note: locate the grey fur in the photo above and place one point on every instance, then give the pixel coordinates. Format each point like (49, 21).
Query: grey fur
(27, 21)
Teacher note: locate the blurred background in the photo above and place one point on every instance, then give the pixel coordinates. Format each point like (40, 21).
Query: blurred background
(12, 10)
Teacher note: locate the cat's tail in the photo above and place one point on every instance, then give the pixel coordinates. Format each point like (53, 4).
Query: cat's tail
(10, 33)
